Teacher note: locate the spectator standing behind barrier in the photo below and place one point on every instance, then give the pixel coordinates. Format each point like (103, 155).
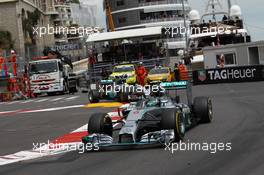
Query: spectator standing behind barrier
(141, 74)
(176, 72)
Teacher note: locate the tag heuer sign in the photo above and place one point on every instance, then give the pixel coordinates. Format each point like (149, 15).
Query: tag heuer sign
(235, 74)
(202, 75)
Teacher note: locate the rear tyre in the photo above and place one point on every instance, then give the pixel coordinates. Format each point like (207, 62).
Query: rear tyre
(203, 109)
(93, 96)
(174, 119)
(100, 124)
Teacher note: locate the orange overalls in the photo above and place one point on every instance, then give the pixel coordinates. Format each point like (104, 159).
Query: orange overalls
(141, 75)
(183, 72)
(13, 60)
(3, 68)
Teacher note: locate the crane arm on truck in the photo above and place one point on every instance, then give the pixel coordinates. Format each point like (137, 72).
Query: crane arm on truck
(58, 55)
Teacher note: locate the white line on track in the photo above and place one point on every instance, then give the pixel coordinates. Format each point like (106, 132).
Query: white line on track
(13, 102)
(40, 152)
(72, 98)
(42, 100)
(44, 150)
(81, 129)
(56, 99)
(7, 112)
(53, 109)
(40, 110)
(27, 101)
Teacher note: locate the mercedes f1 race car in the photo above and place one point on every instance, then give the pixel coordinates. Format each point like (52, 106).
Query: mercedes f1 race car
(155, 120)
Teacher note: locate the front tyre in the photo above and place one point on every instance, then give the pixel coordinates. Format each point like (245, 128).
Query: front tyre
(93, 96)
(174, 119)
(100, 124)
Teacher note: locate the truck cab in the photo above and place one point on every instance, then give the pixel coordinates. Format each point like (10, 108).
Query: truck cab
(48, 76)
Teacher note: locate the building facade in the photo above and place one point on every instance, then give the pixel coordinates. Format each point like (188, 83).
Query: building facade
(63, 18)
(15, 14)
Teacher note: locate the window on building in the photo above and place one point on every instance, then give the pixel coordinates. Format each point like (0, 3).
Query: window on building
(163, 15)
(226, 59)
(120, 2)
(253, 53)
(122, 20)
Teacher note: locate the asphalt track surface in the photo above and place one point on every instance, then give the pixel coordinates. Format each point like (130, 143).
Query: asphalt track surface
(238, 118)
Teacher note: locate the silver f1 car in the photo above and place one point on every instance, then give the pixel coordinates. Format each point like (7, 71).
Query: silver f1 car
(150, 121)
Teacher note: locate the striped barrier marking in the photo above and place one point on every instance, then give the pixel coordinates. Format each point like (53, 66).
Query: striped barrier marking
(39, 110)
(65, 141)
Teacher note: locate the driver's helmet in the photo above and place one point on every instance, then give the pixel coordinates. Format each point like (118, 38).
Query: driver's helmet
(152, 103)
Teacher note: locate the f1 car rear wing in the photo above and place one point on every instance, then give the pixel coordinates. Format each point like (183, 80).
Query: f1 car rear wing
(176, 85)
(179, 85)
(105, 82)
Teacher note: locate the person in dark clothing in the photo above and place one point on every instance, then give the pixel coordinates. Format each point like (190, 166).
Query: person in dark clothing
(224, 18)
(104, 73)
(157, 65)
(176, 72)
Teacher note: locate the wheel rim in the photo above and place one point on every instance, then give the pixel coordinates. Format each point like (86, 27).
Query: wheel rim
(90, 97)
(180, 126)
(210, 109)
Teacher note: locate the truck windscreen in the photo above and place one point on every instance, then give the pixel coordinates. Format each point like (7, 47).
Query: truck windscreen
(43, 67)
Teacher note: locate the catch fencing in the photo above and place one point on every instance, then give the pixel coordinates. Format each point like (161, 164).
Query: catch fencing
(14, 81)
